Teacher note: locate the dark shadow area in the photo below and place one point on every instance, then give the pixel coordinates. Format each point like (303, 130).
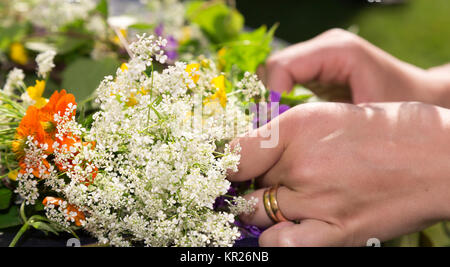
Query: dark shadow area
(300, 19)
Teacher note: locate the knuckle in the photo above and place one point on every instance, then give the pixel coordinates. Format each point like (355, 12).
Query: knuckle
(336, 32)
(343, 40)
(273, 62)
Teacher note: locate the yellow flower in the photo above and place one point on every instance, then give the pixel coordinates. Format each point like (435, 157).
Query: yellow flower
(132, 101)
(191, 69)
(124, 67)
(221, 58)
(186, 34)
(13, 175)
(35, 93)
(116, 38)
(18, 53)
(221, 93)
(143, 91)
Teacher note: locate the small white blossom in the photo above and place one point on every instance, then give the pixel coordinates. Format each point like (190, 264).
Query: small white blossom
(14, 81)
(45, 62)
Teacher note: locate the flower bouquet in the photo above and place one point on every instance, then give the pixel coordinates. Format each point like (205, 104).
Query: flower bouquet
(147, 167)
(146, 162)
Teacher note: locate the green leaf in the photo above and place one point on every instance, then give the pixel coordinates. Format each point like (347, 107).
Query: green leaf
(142, 26)
(439, 234)
(102, 7)
(45, 227)
(83, 76)
(5, 198)
(411, 240)
(297, 96)
(38, 206)
(14, 33)
(220, 22)
(10, 217)
(249, 51)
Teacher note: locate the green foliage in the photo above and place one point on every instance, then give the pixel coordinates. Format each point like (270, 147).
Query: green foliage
(297, 96)
(142, 26)
(102, 8)
(10, 217)
(13, 33)
(83, 76)
(249, 50)
(220, 22)
(5, 198)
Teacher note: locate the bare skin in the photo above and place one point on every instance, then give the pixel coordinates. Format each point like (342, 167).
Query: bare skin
(350, 172)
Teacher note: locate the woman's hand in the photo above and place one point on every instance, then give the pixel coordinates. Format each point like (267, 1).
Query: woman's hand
(350, 173)
(338, 58)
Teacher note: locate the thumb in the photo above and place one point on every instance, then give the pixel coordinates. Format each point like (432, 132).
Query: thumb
(309, 233)
(260, 149)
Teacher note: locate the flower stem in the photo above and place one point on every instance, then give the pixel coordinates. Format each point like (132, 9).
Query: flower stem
(19, 234)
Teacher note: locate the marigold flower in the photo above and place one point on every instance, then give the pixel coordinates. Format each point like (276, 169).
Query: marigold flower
(40, 124)
(71, 212)
(18, 53)
(29, 126)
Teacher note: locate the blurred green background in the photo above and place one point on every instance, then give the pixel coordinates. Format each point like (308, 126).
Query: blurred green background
(416, 31)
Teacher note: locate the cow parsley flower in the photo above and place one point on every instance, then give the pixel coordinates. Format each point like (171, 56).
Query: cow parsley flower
(45, 62)
(14, 81)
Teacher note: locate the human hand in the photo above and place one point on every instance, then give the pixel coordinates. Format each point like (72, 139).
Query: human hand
(340, 59)
(350, 173)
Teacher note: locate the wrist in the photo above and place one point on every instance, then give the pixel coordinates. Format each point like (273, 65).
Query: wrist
(438, 83)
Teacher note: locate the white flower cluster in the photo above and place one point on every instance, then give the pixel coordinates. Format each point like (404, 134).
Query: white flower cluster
(148, 47)
(45, 62)
(53, 14)
(35, 165)
(14, 81)
(154, 161)
(251, 86)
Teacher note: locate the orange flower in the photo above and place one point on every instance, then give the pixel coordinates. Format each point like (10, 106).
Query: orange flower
(57, 103)
(72, 212)
(29, 126)
(41, 125)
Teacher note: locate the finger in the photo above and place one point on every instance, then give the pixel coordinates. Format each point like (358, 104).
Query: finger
(278, 77)
(309, 233)
(260, 150)
(327, 58)
(297, 64)
(288, 204)
(262, 75)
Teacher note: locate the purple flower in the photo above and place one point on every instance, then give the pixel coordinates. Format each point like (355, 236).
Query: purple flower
(259, 120)
(171, 49)
(220, 201)
(275, 97)
(159, 30)
(247, 230)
